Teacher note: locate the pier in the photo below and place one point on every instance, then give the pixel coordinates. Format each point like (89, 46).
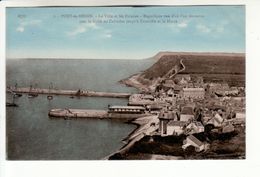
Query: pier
(91, 113)
(86, 93)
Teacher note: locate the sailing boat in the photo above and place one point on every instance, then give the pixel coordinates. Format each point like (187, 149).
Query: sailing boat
(50, 97)
(12, 104)
(30, 94)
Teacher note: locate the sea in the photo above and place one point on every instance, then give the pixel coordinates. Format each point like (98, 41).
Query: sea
(32, 135)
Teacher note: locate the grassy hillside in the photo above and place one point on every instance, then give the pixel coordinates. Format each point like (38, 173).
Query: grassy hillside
(198, 64)
(213, 67)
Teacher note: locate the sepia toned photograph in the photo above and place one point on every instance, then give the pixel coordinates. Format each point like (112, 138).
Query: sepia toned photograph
(126, 83)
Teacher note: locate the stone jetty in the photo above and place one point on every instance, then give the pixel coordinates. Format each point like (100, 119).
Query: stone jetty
(79, 92)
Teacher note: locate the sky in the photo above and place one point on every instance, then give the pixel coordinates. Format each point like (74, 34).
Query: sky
(122, 32)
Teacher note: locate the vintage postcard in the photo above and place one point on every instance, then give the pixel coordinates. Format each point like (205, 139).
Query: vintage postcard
(125, 82)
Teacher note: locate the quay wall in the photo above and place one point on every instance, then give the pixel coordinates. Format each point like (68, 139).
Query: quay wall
(88, 113)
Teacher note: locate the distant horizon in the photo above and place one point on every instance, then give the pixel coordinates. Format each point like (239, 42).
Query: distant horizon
(151, 57)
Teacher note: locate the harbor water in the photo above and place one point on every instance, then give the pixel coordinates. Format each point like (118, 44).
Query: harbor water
(32, 135)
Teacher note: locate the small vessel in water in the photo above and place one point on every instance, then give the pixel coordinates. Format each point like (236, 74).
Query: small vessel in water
(32, 95)
(14, 96)
(49, 97)
(17, 95)
(11, 104)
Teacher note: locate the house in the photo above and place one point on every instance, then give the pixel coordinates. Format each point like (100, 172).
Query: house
(186, 77)
(193, 141)
(183, 81)
(240, 115)
(169, 82)
(206, 117)
(197, 85)
(194, 127)
(127, 109)
(217, 86)
(155, 107)
(140, 100)
(228, 128)
(175, 127)
(187, 114)
(199, 79)
(216, 107)
(164, 118)
(177, 89)
(239, 99)
(148, 97)
(227, 93)
(194, 93)
(217, 120)
(170, 93)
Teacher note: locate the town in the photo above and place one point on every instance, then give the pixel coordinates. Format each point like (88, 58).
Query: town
(186, 106)
(174, 105)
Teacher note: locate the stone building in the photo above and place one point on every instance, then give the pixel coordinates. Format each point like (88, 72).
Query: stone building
(187, 114)
(193, 93)
(175, 127)
(164, 118)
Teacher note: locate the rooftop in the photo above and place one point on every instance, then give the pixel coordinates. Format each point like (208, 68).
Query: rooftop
(195, 140)
(198, 124)
(193, 89)
(177, 87)
(187, 110)
(167, 115)
(126, 107)
(177, 123)
(148, 97)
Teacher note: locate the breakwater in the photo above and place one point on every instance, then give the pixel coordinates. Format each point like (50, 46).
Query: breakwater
(86, 93)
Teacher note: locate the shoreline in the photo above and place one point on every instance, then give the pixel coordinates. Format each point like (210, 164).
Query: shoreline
(142, 130)
(132, 81)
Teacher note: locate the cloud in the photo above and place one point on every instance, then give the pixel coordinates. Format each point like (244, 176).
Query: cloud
(24, 24)
(108, 35)
(77, 31)
(222, 25)
(20, 29)
(203, 28)
(182, 25)
(213, 28)
(82, 29)
(178, 27)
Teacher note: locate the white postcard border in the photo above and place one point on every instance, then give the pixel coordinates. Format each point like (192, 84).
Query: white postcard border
(212, 168)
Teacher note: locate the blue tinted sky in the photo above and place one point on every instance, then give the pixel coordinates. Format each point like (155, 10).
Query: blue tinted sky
(46, 33)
